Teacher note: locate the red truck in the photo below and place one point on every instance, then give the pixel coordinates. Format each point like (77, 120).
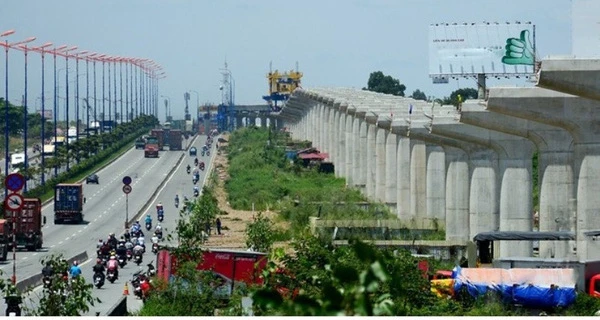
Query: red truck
(4, 239)
(175, 139)
(231, 268)
(29, 224)
(151, 147)
(159, 134)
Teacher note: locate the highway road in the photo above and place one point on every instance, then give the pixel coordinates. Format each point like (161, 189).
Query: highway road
(179, 183)
(104, 210)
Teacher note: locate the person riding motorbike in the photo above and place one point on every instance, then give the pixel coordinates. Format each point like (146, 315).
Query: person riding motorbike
(196, 191)
(176, 200)
(196, 161)
(148, 219)
(121, 251)
(202, 165)
(48, 271)
(129, 245)
(142, 242)
(113, 265)
(75, 270)
(135, 227)
(127, 235)
(138, 250)
(158, 229)
(112, 240)
(188, 169)
(104, 250)
(154, 239)
(99, 269)
(121, 242)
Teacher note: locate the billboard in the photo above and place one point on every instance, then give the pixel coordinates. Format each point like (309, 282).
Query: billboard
(468, 49)
(585, 30)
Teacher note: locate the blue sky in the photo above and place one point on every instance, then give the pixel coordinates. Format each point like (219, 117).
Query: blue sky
(336, 43)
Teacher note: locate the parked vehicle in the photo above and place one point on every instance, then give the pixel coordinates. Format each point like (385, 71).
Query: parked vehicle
(68, 203)
(28, 231)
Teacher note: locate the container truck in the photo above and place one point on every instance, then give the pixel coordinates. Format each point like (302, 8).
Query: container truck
(159, 134)
(29, 222)
(151, 147)
(4, 239)
(68, 203)
(175, 139)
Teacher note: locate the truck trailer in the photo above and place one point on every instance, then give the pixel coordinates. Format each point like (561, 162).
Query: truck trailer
(175, 139)
(29, 223)
(68, 203)
(159, 134)
(4, 239)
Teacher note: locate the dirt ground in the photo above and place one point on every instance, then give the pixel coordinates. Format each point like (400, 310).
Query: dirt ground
(236, 220)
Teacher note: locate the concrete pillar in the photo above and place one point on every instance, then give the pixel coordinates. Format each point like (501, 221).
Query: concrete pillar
(331, 135)
(418, 180)
(363, 151)
(435, 183)
(350, 145)
(403, 157)
(391, 174)
(371, 158)
(483, 194)
(238, 121)
(341, 137)
(380, 163)
(457, 195)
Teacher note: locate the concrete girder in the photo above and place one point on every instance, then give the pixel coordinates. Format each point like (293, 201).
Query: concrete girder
(555, 147)
(576, 115)
(511, 172)
(580, 77)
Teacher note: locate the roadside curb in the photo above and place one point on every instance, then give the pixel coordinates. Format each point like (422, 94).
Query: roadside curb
(36, 279)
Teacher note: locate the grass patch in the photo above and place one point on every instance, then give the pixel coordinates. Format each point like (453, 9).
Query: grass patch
(262, 178)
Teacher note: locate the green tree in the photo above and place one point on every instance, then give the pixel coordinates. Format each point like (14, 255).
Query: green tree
(62, 298)
(419, 95)
(378, 82)
(259, 233)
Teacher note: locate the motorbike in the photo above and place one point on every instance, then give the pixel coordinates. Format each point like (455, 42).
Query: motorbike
(203, 153)
(155, 248)
(151, 270)
(188, 170)
(196, 162)
(208, 153)
(201, 166)
(196, 192)
(105, 259)
(161, 217)
(111, 275)
(194, 180)
(136, 284)
(122, 261)
(177, 203)
(98, 280)
(129, 254)
(47, 282)
(148, 226)
(137, 259)
(158, 234)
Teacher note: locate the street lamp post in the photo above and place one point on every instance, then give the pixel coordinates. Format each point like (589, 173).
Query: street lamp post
(55, 113)
(25, 112)
(4, 34)
(87, 92)
(121, 86)
(67, 98)
(115, 89)
(41, 50)
(78, 56)
(167, 105)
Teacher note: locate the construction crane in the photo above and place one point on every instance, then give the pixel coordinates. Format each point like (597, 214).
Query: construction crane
(281, 86)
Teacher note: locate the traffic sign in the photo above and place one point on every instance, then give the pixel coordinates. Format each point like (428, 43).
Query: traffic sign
(127, 189)
(14, 182)
(13, 202)
(126, 180)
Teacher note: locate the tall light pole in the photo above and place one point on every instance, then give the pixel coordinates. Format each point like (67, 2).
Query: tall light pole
(4, 34)
(77, 56)
(25, 112)
(6, 131)
(67, 97)
(114, 60)
(40, 49)
(103, 99)
(87, 91)
(55, 113)
(121, 86)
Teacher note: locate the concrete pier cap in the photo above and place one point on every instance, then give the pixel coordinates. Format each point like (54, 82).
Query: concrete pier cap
(576, 76)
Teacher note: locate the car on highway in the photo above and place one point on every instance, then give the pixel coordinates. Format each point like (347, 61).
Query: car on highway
(193, 151)
(92, 178)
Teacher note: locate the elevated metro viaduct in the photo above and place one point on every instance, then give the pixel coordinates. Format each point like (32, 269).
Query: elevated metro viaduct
(246, 115)
(472, 169)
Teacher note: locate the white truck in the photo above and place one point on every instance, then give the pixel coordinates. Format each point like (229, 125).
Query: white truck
(17, 160)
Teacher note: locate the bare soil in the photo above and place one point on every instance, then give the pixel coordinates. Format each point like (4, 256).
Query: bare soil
(235, 222)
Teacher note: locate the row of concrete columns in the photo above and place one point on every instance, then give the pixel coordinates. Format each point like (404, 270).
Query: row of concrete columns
(265, 121)
(471, 170)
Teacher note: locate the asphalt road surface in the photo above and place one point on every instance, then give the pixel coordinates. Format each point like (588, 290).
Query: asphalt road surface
(104, 211)
(179, 183)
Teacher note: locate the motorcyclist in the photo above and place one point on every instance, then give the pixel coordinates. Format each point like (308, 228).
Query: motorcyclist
(158, 229)
(148, 219)
(121, 242)
(188, 168)
(196, 161)
(202, 165)
(135, 227)
(154, 238)
(138, 250)
(113, 265)
(142, 242)
(99, 244)
(104, 250)
(48, 271)
(196, 190)
(129, 245)
(99, 269)
(127, 235)
(75, 270)
(121, 250)
(112, 240)
(176, 200)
